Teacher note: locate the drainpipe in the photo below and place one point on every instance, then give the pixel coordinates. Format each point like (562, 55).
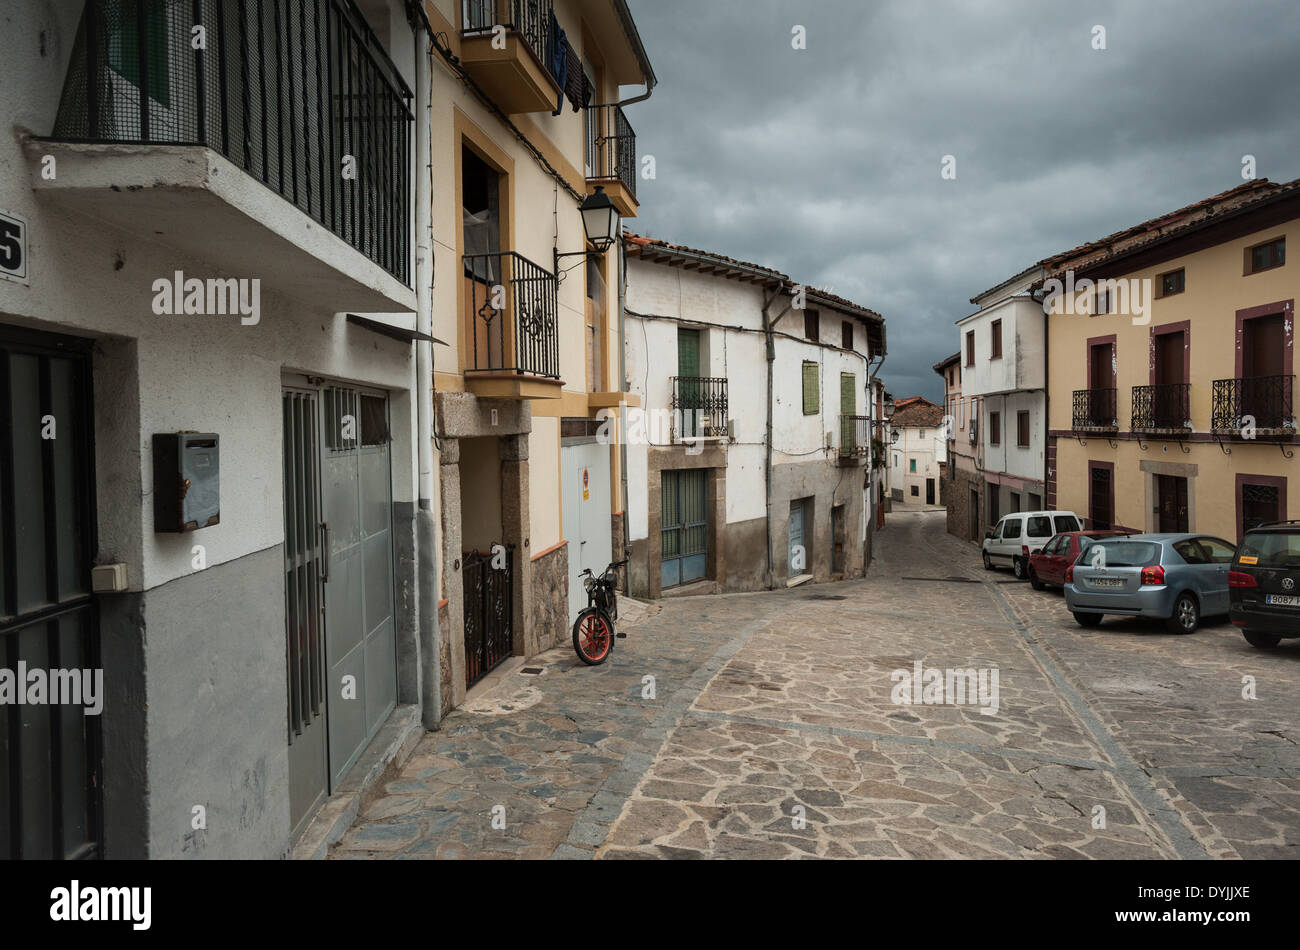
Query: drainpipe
(624, 387)
(768, 323)
(426, 535)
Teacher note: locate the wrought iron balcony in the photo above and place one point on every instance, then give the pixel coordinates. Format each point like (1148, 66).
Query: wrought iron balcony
(513, 315)
(531, 19)
(301, 96)
(699, 407)
(1162, 408)
(1094, 409)
(1254, 406)
(611, 147)
(855, 436)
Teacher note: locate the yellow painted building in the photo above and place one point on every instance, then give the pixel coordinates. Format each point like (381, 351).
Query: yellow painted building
(528, 328)
(1171, 378)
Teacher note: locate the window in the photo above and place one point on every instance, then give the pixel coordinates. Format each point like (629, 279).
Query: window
(811, 388)
(1040, 526)
(1174, 282)
(1219, 551)
(1022, 428)
(995, 428)
(1011, 529)
(916, 491)
(970, 347)
(481, 217)
(1067, 523)
(124, 47)
(1266, 256)
(812, 325)
(846, 331)
(913, 464)
(996, 340)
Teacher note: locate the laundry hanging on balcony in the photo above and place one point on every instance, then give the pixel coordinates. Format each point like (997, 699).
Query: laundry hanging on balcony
(566, 68)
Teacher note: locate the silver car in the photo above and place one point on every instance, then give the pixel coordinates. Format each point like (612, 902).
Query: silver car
(1178, 578)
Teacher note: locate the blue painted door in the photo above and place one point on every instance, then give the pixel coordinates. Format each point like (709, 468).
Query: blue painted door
(685, 528)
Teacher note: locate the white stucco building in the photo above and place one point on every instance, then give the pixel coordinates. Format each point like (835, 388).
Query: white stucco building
(751, 468)
(203, 585)
(1003, 353)
(916, 454)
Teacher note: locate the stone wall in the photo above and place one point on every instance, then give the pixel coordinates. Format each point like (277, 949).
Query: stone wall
(959, 505)
(550, 601)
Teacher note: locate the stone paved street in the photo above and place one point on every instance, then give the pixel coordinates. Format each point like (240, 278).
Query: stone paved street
(771, 733)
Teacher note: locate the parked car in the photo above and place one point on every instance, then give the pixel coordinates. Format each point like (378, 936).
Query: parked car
(1178, 578)
(1264, 584)
(1047, 567)
(1012, 541)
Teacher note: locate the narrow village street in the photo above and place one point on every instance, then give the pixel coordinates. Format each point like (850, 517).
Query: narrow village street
(770, 732)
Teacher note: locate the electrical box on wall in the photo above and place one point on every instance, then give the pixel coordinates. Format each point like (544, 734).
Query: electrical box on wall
(186, 481)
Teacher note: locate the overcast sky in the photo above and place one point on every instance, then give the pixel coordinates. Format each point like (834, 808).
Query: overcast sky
(825, 163)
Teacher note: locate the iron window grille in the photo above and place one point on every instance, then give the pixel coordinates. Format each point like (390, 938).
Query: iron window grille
(1095, 409)
(1162, 408)
(855, 436)
(699, 407)
(531, 19)
(611, 146)
(514, 313)
(1263, 404)
(300, 95)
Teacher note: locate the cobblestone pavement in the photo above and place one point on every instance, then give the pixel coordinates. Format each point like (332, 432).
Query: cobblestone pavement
(769, 730)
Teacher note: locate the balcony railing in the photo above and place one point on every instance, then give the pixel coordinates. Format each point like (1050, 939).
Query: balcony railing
(1095, 409)
(611, 146)
(530, 18)
(699, 407)
(1162, 408)
(855, 436)
(301, 96)
(1256, 405)
(513, 315)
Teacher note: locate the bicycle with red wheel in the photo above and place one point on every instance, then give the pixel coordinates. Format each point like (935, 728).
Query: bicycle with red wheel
(593, 631)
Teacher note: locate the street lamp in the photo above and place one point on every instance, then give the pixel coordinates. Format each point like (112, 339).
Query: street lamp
(599, 221)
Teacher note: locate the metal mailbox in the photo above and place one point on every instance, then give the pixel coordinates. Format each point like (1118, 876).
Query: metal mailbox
(186, 481)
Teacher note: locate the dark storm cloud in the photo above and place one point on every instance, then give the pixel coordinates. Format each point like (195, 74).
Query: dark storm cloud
(825, 162)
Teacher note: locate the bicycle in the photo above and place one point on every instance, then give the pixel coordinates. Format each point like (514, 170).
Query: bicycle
(593, 631)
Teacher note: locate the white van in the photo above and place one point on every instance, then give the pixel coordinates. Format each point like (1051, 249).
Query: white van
(1023, 533)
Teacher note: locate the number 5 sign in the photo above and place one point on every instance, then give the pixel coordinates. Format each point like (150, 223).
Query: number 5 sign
(13, 247)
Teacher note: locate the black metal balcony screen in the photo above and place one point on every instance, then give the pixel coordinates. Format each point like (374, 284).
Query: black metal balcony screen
(611, 146)
(515, 309)
(1094, 409)
(855, 436)
(700, 406)
(299, 94)
(530, 18)
(1161, 408)
(1262, 401)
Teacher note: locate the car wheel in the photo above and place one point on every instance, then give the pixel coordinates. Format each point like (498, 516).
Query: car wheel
(1265, 641)
(1186, 616)
(1034, 582)
(1019, 567)
(988, 562)
(1086, 620)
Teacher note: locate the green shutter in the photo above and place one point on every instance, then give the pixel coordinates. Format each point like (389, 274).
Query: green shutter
(811, 388)
(124, 45)
(688, 352)
(848, 407)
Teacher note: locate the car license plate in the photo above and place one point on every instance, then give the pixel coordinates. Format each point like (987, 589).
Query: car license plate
(1107, 582)
(1282, 600)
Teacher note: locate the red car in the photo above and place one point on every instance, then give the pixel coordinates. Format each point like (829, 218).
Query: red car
(1048, 565)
